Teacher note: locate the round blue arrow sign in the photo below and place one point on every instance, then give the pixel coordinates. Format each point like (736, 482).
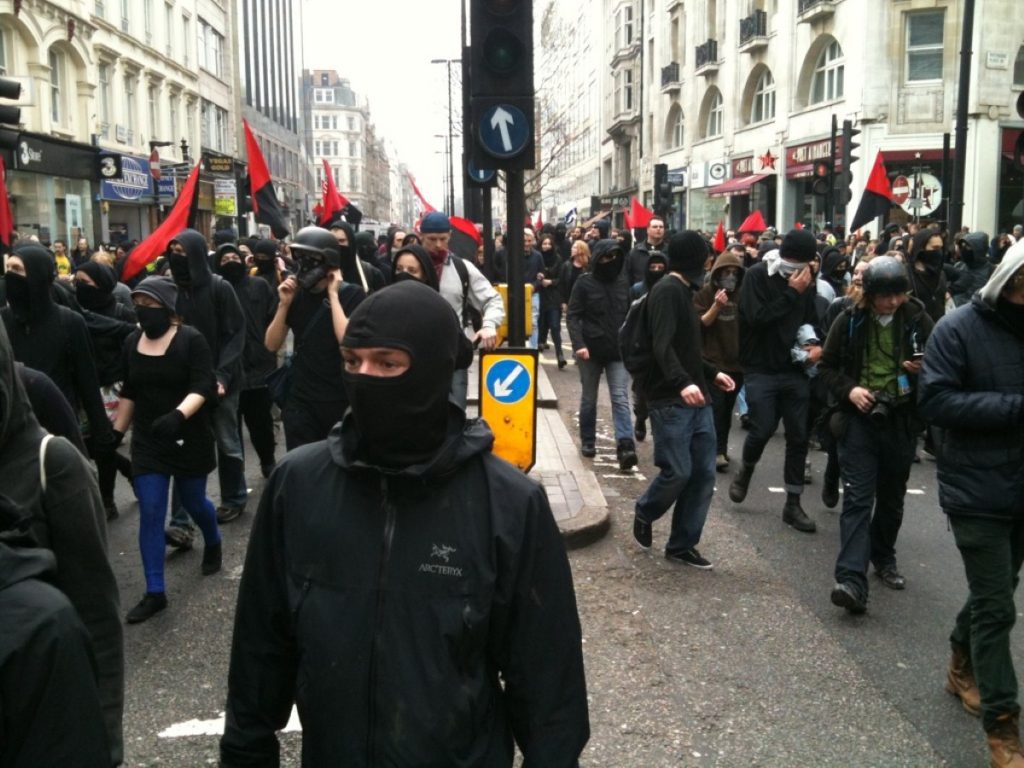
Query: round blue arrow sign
(479, 175)
(508, 381)
(504, 131)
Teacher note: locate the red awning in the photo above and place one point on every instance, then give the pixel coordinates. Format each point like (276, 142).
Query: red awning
(740, 186)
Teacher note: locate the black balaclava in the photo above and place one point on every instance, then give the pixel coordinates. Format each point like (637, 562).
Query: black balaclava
(193, 268)
(932, 260)
(155, 321)
(97, 297)
(687, 252)
(348, 253)
(606, 271)
(232, 271)
(652, 276)
(29, 296)
(403, 420)
(264, 254)
(426, 266)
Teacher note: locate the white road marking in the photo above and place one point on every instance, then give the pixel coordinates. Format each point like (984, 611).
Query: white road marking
(772, 489)
(915, 491)
(215, 727)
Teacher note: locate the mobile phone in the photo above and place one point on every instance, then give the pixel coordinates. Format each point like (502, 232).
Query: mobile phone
(916, 356)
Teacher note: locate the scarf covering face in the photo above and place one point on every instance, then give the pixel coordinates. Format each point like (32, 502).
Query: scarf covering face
(29, 295)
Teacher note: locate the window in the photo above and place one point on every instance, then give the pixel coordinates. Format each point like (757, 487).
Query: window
(172, 114)
(210, 49)
(214, 126)
(4, 63)
(715, 114)
(103, 92)
(129, 101)
(169, 29)
(674, 132)
(147, 20)
(624, 27)
(323, 95)
(154, 124)
(316, 149)
(125, 16)
(828, 75)
(924, 46)
(1018, 67)
(334, 149)
(56, 87)
(353, 149)
(353, 179)
(186, 35)
(763, 107)
(98, 9)
(351, 123)
(623, 91)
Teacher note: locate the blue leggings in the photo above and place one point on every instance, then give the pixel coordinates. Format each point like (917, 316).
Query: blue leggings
(151, 491)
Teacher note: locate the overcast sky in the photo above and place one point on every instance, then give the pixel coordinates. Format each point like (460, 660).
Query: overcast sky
(384, 48)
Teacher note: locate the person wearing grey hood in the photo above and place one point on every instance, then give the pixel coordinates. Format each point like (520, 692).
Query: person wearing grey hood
(971, 270)
(972, 389)
(208, 303)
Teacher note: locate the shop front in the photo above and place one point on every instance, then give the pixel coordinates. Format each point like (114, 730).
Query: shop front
(809, 208)
(751, 187)
(1011, 179)
(130, 205)
(49, 183)
(678, 178)
(705, 211)
(917, 187)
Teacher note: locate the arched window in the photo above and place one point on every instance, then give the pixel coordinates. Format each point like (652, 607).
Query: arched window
(1018, 67)
(674, 128)
(58, 83)
(828, 75)
(714, 113)
(763, 106)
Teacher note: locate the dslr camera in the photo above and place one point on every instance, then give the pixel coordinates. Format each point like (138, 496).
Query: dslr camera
(883, 407)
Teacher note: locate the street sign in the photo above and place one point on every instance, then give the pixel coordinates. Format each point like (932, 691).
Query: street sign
(508, 403)
(504, 131)
(479, 175)
(900, 189)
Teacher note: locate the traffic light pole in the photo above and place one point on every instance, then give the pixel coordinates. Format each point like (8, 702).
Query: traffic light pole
(516, 215)
(488, 229)
(956, 209)
(830, 197)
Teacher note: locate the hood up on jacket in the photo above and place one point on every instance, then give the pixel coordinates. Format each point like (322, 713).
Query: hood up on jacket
(728, 259)
(426, 265)
(198, 257)
(1013, 260)
(35, 301)
(611, 270)
(976, 251)
(832, 257)
(15, 410)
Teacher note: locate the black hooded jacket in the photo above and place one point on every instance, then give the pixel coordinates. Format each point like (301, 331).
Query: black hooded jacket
(54, 339)
(928, 284)
(208, 303)
(68, 519)
(259, 304)
(770, 314)
(50, 706)
(597, 308)
(419, 253)
(390, 604)
(972, 271)
(109, 322)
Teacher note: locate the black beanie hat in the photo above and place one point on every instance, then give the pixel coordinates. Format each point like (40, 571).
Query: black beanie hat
(602, 227)
(161, 288)
(265, 247)
(687, 252)
(798, 245)
(101, 274)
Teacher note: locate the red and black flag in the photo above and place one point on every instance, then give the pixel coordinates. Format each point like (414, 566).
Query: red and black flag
(6, 219)
(877, 198)
(264, 198)
(180, 217)
(335, 204)
(465, 238)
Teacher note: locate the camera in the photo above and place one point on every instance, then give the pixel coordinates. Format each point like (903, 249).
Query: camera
(883, 407)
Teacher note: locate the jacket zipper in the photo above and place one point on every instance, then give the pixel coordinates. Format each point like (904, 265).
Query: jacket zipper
(382, 583)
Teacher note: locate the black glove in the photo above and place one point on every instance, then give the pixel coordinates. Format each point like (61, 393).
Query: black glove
(118, 438)
(168, 426)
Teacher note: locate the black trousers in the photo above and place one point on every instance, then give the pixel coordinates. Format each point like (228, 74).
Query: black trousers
(307, 422)
(254, 409)
(769, 398)
(722, 404)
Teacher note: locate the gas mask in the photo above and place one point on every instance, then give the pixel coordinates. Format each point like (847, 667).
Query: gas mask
(311, 271)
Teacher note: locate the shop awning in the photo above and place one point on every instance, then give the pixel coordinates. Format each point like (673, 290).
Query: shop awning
(740, 186)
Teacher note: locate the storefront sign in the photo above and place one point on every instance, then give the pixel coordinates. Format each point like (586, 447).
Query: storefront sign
(923, 196)
(801, 158)
(742, 166)
(135, 184)
(41, 155)
(217, 164)
(677, 177)
(224, 203)
(73, 216)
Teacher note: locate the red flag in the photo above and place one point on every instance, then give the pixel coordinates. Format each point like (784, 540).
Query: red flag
(6, 219)
(465, 239)
(539, 221)
(639, 217)
(333, 201)
(261, 187)
(720, 238)
(155, 245)
(754, 223)
(427, 207)
(798, 225)
(877, 198)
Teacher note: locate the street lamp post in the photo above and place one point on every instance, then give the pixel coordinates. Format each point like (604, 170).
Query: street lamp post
(451, 161)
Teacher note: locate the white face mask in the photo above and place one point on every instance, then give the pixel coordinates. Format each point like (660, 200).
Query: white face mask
(884, 320)
(787, 268)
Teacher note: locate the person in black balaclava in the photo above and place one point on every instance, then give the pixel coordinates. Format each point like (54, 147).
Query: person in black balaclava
(445, 508)
(208, 303)
(972, 268)
(259, 303)
(654, 271)
(413, 263)
(109, 323)
(53, 339)
(365, 275)
(597, 309)
(927, 280)
(264, 258)
(835, 266)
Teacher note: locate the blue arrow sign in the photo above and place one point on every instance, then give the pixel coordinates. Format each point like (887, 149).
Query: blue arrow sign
(508, 381)
(479, 175)
(504, 131)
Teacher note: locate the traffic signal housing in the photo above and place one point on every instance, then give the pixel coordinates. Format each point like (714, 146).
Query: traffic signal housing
(845, 181)
(662, 190)
(10, 115)
(823, 172)
(501, 98)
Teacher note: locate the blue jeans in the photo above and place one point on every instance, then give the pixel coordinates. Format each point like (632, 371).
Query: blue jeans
(771, 396)
(618, 389)
(534, 312)
(875, 464)
(151, 491)
(230, 460)
(684, 451)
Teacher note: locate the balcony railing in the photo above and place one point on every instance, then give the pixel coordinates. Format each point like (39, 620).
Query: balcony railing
(670, 74)
(707, 53)
(812, 10)
(754, 25)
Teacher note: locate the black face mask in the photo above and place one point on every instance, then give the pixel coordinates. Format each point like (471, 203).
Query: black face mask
(606, 271)
(931, 259)
(91, 297)
(652, 276)
(264, 266)
(232, 271)
(154, 321)
(403, 276)
(179, 268)
(727, 283)
(310, 273)
(19, 295)
(347, 262)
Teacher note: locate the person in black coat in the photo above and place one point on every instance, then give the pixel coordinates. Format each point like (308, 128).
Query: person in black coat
(597, 309)
(550, 317)
(972, 391)
(928, 282)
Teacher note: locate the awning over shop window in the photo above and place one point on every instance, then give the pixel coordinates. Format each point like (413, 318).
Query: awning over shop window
(740, 186)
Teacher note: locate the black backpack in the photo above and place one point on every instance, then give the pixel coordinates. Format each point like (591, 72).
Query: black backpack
(635, 339)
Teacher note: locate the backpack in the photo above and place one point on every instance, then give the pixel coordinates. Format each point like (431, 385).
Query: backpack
(470, 314)
(635, 344)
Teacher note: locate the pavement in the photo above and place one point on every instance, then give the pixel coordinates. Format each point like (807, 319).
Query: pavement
(573, 490)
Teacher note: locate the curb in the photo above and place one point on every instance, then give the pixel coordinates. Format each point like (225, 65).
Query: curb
(586, 528)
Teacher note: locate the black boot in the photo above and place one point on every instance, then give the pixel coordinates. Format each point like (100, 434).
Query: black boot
(793, 515)
(211, 559)
(740, 482)
(626, 452)
(830, 488)
(150, 604)
(640, 430)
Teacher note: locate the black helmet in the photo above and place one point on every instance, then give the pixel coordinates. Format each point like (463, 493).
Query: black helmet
(885, 275)
(317, 240)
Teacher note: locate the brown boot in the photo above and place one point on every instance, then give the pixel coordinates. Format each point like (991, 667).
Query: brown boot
(1004, 742)
(960, 681)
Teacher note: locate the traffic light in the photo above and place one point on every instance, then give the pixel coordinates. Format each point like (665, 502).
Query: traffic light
(501, 84)
(822, 177)
(662, 190)
(9, 115)
(845, 181)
